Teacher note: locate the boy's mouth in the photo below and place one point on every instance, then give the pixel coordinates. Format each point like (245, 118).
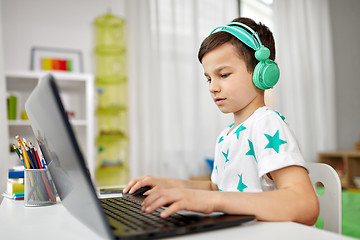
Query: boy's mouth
(219, 101)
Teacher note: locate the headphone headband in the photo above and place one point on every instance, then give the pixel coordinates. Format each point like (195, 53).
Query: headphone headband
(240, 32)
(266, 72)
(253, 33)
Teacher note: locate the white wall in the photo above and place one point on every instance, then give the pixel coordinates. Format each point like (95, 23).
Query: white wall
(50, 23)
(65, 24)
(3, 125)
(346, 45)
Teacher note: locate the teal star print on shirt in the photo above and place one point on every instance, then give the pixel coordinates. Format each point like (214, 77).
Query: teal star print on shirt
(221, 139)
(274, 141)
(226, 156)
(251, 152)
(241, 186)
(237, 132)
(282, 117)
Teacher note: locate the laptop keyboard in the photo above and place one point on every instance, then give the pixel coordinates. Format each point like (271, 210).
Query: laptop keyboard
(128, 211)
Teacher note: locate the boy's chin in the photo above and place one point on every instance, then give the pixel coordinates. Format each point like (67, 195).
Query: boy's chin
(225, 111)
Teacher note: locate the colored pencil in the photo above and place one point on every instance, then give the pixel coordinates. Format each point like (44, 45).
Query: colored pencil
(26, 160)
(27, 153)
(37, 158)
(31, 149)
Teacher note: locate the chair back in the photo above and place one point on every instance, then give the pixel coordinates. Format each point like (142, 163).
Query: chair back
(329, 196)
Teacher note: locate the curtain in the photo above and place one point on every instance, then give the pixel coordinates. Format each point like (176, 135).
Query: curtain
(305, 93)
(173, 120)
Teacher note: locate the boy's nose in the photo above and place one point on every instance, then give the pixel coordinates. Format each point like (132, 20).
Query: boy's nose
(214, 87)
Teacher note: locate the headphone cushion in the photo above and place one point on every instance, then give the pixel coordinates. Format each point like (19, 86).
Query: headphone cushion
(266, 74)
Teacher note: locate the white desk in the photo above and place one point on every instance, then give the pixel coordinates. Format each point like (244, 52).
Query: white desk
(55, 222)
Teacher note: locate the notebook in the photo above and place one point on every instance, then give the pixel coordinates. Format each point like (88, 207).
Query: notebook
(76, 190)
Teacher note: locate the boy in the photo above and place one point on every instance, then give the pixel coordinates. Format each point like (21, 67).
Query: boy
(258, 168)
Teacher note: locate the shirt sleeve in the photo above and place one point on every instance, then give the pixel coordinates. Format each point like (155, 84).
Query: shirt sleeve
(275, 145)
(214, 171)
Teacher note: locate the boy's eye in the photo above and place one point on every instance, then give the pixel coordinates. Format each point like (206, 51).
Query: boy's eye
(208, 80)
(225, 75)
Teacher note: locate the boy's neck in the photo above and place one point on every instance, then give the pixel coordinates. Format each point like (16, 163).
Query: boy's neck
(246, 112)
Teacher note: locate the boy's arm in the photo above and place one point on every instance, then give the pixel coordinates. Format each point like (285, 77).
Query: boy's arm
(200, 185)
(295, 200)
(166, 183)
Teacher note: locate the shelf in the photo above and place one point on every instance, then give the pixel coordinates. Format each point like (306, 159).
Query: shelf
(345, 163)
(75, 122)
(15, 123)
(38, 74)
(18, 123)
(77, 94)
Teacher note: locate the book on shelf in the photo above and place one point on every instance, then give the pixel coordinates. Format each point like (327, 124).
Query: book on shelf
(15, 185)
(15, 173)
(15, 196)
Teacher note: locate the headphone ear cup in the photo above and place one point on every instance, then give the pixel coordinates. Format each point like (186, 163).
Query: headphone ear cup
(262, 53)
(266, 74)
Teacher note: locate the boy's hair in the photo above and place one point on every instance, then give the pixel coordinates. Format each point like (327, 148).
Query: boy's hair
(248, 54)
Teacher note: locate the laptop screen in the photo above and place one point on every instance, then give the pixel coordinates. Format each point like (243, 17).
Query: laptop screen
(62, 154)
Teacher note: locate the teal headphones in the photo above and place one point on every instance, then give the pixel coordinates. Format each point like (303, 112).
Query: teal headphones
(266, 73)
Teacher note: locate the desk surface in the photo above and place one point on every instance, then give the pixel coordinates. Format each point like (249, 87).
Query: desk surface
(55, 222)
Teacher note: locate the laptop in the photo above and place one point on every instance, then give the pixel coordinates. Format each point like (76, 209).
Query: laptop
(110, 218)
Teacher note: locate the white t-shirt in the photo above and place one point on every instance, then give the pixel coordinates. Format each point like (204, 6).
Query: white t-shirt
(261, 144)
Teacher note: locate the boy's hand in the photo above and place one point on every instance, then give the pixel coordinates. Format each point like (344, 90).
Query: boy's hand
(153, 182)
(179, 199)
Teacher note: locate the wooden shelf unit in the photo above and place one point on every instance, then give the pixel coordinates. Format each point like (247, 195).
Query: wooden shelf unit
(346, 164)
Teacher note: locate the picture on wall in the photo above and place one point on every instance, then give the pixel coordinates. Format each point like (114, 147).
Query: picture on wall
(56, 59)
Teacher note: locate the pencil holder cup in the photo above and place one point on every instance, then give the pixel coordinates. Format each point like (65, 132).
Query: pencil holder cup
(39, 189)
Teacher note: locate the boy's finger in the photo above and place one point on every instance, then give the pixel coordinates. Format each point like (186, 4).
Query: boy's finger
(129, 185)
(159, 199)
(154, 204)
(173, 208)
(135, 187)
(150, 199)
(148, 192)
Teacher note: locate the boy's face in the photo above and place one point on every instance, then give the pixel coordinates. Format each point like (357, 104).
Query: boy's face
(230, 83)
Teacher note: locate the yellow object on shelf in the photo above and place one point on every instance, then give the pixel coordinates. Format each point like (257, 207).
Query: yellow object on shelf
(15, 185)
(12, 102)
(109, 31)
(112, 176)
(110, 62)
(23, 115)
(111, 84)
(112, 151)
(112, 94)
(112, 121)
